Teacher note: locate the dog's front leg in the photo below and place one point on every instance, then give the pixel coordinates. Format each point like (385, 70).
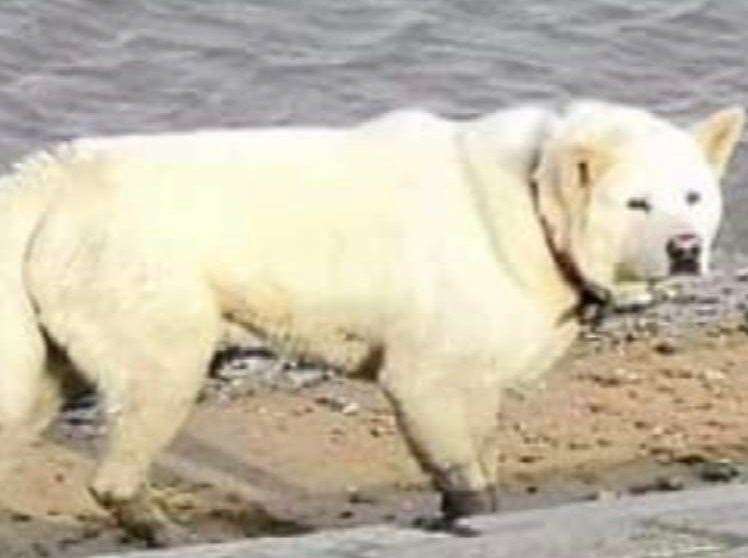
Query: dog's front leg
(451, 435)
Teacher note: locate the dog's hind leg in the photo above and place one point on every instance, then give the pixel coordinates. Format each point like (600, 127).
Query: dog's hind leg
(149, 369)
(30, 395)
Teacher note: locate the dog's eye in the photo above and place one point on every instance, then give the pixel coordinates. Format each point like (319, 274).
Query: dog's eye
(693, 197)
(639, 204)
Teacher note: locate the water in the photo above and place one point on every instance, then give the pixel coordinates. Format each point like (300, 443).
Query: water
(80, 67)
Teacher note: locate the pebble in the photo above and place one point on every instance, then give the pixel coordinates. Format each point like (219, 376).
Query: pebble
(665, 294)
(379, 431)
(605, 495)
(712, 376)
(666, 346)
(665, 483)
(339, 404)
(723, 470)
(82, 415)
(669, 483)
(350, 409)
(303, 410)
(303, 378)
(244, 367)
(355, 496)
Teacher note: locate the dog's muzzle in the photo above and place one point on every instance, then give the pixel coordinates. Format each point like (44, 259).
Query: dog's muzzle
(684, 253)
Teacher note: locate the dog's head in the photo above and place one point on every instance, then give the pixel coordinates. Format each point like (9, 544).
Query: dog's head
(627, 196)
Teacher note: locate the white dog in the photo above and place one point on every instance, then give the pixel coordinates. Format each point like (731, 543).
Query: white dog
(458, 251)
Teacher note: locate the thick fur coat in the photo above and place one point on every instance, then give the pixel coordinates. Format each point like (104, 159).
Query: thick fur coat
(409, 235)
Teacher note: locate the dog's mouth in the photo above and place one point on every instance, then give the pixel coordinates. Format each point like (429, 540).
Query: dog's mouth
(685, 268)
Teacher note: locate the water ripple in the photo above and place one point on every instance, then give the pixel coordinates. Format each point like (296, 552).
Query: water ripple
(73, 67)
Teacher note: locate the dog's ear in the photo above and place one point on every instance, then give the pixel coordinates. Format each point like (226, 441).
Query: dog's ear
(566, 176)
(582, 166)
(718, 135)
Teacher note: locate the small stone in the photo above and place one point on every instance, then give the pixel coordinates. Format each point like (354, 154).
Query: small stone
(40, 549)
(590, 336)
(243, 368)
(356, 497)
(660, 430)
(666, 346)
(712, 375)
(304, 410)
(722, 470)
(90, 531)
(605, 495)
(705, 311)
(662, 483)
(81, 415)
(338, 404)
(350, 409)
(669, 483)
(668, 293)
(302, 378)
(596, 407)
(407, 505)
(692, 458)
(742, 274)
(329, 401)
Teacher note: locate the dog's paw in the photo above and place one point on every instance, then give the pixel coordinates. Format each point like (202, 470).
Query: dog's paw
(461, 503)
(442, 524)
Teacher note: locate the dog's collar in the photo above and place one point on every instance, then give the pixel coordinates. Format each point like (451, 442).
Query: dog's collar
(593, 301)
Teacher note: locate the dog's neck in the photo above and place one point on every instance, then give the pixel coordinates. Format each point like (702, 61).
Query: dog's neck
(507, 203)
(592, 302)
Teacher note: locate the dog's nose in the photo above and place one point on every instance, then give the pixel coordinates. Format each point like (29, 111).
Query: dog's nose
(684, 251)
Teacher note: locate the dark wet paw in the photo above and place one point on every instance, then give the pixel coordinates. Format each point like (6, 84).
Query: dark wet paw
(441, 524)
(142, 518)
(154, 532)
(461, 503)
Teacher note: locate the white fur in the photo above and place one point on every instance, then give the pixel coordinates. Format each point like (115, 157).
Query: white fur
(408, 232)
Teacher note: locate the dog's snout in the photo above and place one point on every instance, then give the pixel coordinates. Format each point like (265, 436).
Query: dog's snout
(684, 247)
(684, 251)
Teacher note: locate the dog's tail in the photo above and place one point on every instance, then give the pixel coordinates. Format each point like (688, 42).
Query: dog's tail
(25, 402)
